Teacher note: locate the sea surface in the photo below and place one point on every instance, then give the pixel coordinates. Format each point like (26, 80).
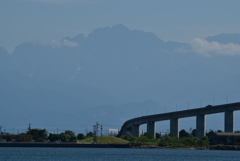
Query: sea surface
(35, 154)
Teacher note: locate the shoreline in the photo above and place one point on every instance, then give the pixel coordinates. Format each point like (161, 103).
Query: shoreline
(138, 146)
(73, 145)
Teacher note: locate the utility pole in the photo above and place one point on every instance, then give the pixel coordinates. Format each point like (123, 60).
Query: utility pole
(86, 131)
(101, 133)
(29, 127)
(95, 132)
(0, 130)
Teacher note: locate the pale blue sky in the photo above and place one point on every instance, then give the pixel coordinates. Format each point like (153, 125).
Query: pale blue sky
(177, 20)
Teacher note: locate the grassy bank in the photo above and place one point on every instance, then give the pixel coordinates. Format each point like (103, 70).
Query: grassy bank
(105, 140)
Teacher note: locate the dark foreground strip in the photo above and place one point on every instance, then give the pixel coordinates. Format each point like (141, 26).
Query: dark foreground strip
(224, 147)
(64, 145)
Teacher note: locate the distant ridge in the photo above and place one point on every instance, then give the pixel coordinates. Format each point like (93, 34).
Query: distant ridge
(225, 38)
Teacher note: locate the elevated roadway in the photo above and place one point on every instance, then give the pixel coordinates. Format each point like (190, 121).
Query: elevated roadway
(133, 125)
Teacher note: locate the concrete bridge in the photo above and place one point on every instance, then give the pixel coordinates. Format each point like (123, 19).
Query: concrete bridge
(133, 125)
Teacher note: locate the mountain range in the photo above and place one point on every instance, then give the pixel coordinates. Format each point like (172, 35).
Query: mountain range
(112, 75)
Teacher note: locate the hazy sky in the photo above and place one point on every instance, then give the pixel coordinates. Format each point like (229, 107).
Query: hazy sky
(178, 20)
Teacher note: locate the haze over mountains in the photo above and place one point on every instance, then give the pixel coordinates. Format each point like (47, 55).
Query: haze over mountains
(112, 75)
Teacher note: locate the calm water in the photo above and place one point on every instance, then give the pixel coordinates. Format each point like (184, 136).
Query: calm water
(35, 154)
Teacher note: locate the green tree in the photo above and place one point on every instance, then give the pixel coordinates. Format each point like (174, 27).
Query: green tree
(73, 139)
(38, 134)
(183, 133)
(64, 137)
(148, 135)
(208, 134)
(142, 139)
(69, 133)
(89, 134)
(70, 136)
(129, 137)
(204, 141)
(187, 141)
(80, 136)
(53, 137)
(194, 133)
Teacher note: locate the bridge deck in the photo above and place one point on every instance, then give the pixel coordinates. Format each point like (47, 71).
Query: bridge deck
(181, 114)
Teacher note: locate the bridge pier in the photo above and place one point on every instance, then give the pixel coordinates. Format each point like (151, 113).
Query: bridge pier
(174, 127)
(229, 121)
(201, 126)
(151, 127)
(135, 130)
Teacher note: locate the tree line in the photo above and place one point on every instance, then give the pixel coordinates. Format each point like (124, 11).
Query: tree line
(41, 135)
(185, 139)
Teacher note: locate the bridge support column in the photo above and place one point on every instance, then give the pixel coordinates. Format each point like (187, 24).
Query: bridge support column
(201, 126)
(151, 128)
(229, 121)
(174, 127)
(135, 130)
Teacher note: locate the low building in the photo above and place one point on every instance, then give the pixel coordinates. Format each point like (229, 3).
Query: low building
(17, 138)
(225, 138)
(113, 132)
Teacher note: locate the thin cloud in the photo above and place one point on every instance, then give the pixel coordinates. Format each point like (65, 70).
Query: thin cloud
(69, 43)
(205, 48)
(66, 43)
(64, 1)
